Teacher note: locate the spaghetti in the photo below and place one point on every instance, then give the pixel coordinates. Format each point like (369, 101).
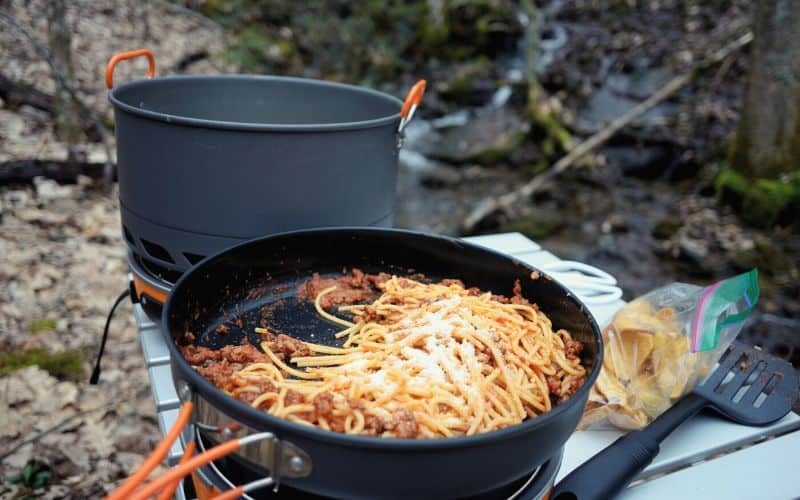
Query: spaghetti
(421, 360)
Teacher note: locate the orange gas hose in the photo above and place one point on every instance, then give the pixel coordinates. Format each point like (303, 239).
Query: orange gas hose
(185, 469)
(155, 458)
(170, 489)
(230, 494)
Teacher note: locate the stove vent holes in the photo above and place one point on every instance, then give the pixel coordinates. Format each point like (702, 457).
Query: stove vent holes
(156, 251)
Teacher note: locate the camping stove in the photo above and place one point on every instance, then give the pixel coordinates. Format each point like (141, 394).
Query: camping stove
(151, 289)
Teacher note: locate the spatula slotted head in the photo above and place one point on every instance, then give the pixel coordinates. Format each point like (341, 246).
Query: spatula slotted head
(750, 386)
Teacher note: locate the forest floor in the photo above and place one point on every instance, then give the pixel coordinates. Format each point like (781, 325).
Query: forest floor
(642, 208)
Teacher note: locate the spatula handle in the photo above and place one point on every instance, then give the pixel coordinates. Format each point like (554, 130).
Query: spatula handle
(608, 472)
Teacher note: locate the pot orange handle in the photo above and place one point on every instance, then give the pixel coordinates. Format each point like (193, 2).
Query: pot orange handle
(413, 98)
(124, 56)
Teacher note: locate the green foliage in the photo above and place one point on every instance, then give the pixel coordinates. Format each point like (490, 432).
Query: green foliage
(761, 202)
(366, 41)
(42, 325)
(64, 365)
(34, 475)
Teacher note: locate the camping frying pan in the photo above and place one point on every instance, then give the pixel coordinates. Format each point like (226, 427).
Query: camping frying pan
(255, 284)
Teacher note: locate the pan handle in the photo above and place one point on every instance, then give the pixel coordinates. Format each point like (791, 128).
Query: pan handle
(124, 56)
(413, 99)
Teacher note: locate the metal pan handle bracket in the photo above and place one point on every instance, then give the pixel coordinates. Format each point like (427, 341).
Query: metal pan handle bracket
(282, 458)
(123, 56)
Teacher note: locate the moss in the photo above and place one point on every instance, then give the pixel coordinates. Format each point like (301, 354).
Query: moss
(64, 365)
(42, 325)
(557, 137)
(463, 80)
(535, 225)
(761, 202)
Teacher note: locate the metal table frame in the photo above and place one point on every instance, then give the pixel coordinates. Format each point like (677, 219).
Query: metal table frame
(707, 457)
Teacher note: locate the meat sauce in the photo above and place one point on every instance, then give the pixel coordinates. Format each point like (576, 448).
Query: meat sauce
(219, 365)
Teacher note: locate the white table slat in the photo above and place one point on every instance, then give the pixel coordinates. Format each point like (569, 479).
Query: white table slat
(512, 243)
(766, 471)
(700, 437)
(166, 419)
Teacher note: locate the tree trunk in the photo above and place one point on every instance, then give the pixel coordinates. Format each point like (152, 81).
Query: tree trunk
(67, 116)
(768, 140)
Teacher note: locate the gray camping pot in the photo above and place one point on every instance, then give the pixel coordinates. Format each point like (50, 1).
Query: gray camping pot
(205, 162)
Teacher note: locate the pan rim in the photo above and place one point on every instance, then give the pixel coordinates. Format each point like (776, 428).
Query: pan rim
(261, 420)
(255, 127)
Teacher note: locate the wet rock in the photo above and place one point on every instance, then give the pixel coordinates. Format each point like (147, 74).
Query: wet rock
(639, 84)
(441, 176)
(463, 87)
(695, 251)
(608, 103)
(616, 223)
(641, 162)
(491, 136)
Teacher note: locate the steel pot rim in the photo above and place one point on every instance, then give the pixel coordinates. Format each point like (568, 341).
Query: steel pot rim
(261, 420)
(393, 119)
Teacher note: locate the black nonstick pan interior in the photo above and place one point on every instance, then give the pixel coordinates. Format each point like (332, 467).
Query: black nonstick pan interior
(250, 288)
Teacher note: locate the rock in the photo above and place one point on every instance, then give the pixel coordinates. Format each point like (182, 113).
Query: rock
(491, 136)
(441, 176)
(695, 251)
(457, 119)
(641, 83)
(616, 223)
(462, 85)
(606, 104)
(641, 162)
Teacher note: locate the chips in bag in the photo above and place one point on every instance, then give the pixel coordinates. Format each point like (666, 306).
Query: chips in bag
(659, 346)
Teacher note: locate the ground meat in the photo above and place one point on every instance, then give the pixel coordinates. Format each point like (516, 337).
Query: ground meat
(373, 425)
(573, 348)
(264, 385)
(218, 373)
(294, 398)
(323, 405)
(286, 347)
(553, 384)
(572, 388)
(357, 288)
(223, 329)
(448, 282)
(517, 297)
(404, 423)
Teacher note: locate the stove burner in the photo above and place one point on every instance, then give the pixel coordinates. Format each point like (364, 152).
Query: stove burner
(227, 473)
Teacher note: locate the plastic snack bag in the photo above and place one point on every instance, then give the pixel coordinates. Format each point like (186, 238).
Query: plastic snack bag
(658, 347)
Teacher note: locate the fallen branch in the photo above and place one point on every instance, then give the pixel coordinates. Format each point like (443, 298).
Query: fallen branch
(65, 172)
(18, 94)
(504, 203)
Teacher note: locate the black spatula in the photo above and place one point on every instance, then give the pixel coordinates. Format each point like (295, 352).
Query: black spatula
(748, 386)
